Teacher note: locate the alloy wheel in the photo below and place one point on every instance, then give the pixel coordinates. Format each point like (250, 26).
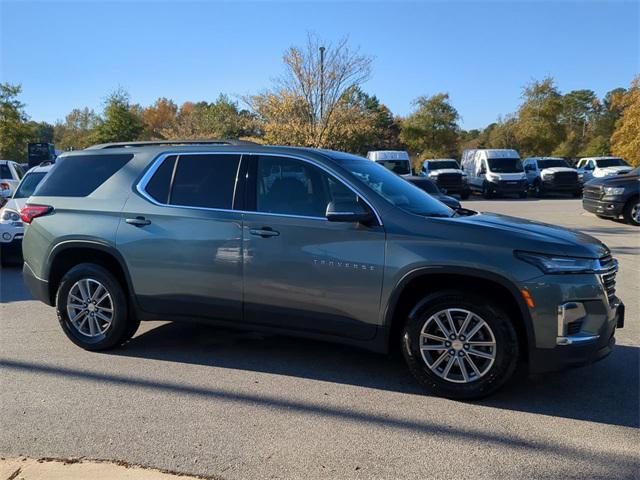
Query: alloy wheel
(457, 345)
(90, 307)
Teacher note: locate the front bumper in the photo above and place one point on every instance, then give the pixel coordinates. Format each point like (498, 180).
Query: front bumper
(605, 207)
(580, 349)
(508, 186)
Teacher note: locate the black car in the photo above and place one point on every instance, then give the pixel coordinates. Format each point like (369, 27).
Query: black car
(432, 189)
(613, 196)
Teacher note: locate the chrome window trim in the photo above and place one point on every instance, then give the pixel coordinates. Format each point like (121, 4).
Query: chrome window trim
(142, 183)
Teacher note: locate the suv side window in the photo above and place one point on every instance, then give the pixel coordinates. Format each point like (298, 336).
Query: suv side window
(160, 184)
(204, 181)
(293, 187)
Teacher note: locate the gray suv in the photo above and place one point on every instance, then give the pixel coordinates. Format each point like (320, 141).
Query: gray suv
(313, 243)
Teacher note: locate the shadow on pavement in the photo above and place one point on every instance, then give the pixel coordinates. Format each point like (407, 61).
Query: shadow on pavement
(605, 392)
(12, 288)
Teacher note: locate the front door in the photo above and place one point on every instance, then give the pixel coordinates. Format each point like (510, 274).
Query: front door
(300, 270)
(181, 238)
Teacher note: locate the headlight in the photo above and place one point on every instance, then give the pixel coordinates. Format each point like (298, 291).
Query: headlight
(492, 177)
(433, 174)
(547, 175)
(8, 216)
(613, 190)
(559, 264)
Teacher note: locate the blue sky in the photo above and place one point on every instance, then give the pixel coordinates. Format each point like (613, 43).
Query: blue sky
(72, 54)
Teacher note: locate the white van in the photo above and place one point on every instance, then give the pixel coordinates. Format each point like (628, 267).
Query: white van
(397, 161)
(495, 171)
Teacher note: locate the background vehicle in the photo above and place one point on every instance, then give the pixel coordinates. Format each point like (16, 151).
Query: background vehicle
(40, 152)
(10, 175)
(10, 221)
(397, 161)
(446, 173)
(613, 196)
(333, 247)
(427, 185)
(495, 172)
(598, 167)
(551, 175)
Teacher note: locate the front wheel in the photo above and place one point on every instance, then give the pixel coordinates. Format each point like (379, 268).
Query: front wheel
(460, 346)
(93, 309)
(631, 212)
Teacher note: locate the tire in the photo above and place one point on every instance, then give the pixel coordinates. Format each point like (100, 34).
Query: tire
(455, 385)
(536, 189)
(486, 193)
(631, 212)
(522, 195)
(465, 195)
(577, 194)
(94, 332)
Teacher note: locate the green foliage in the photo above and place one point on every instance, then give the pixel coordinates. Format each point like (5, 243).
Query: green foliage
(626, 137)
(14, 130)
(432, 129)
(121, 121)
(77, 130)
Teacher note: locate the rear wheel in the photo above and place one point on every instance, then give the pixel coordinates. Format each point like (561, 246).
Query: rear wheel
(486, 193)
(631, 212)
(522, 194)
(460, 346)
(92, 308)
(536, 189)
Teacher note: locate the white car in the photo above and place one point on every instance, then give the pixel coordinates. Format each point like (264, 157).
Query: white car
(10, 175)
(397, 161)
(447, 175)
(11, 227)
(551, 175)
(598, 167)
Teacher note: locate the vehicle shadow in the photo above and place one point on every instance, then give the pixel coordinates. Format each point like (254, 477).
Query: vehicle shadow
(606, 392)
(12, 288)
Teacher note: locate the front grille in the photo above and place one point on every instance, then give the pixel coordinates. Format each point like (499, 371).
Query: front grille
(608, 270)
(565, 178)
(449, 180)
(592, 191)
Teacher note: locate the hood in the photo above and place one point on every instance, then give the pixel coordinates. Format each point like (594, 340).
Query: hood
(435, 173)
(614, 170)
(557, 170)
(532, 236)
(613, 180)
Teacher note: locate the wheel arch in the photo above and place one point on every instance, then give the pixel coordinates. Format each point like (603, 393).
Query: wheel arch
(410, 290)
(65, 255)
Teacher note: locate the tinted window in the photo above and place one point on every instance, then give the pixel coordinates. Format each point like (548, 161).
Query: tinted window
(611, 162)
(401, 167)
(79, 176)
(552, 162)
(29, 184)
(158, 186)
(205, 181)
(505, 165)
(443, 165)
(5, 172)
(293, 187)
(18, 170)
(393, 188)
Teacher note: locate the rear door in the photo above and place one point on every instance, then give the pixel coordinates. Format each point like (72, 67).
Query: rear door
(181, 237)
(301, 271)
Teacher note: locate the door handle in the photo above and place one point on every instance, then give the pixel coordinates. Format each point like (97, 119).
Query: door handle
(138, 221)
(264, 232)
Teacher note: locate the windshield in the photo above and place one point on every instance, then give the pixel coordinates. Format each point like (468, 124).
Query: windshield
(29, 184)
(393, 188)
(611, 162)
(505, 165)
(401, 167)
(550, 163)
(442, 165)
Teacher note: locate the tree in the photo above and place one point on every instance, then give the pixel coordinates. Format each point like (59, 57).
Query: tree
(579, 111)
(159, 117)
(14, 131)
(432, 129)
(311, 97)
(220, 119)
(625, 140)
(503, 133)
(77, 130)
(538, 130)
(121, 122)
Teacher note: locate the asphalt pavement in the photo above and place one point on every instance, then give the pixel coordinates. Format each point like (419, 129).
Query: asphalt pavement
(238, 405)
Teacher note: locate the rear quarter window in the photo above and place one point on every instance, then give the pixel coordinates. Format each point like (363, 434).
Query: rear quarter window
(79, 176)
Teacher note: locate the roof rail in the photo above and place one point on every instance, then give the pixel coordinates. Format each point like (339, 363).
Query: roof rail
(155, 143)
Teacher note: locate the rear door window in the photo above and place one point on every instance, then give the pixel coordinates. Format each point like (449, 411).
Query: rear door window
(206, 181)
(160, 183)
(80, 175)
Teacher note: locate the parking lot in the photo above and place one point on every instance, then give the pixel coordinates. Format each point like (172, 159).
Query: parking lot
(229, 404)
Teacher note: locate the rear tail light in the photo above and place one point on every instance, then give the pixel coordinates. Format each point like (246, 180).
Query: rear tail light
(29, 212)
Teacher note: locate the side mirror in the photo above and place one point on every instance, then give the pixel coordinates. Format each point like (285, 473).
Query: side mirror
(351, 212)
